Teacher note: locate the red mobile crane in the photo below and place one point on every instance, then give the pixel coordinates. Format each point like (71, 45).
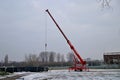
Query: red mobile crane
(79, 63)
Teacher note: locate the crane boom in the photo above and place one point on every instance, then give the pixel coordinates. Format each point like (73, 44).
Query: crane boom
(68, 41)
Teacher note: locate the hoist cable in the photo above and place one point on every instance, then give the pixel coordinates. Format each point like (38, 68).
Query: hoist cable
(45, 33)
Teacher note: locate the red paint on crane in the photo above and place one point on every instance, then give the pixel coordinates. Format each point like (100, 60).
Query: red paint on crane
(79, 63)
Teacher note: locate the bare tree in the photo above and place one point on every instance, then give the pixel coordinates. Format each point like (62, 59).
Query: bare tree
(70, 57)
(104, 3)
(62, 58)
(43, 57)
(6, 60)
(58, 57)
(32, 60)
(52, 57)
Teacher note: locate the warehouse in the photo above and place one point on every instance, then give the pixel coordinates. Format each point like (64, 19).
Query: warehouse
(112, 58)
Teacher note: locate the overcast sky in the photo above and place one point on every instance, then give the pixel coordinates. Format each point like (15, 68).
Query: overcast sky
(92, 29)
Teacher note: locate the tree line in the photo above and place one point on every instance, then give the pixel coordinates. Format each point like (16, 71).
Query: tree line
(42, 59)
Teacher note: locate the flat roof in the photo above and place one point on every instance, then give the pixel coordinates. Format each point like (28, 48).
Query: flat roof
(112, 53)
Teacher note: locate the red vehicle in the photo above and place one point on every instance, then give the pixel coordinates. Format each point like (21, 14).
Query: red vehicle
(79, 63)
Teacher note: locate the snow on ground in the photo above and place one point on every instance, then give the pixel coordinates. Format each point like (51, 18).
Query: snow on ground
(12, 74)
(94, 74)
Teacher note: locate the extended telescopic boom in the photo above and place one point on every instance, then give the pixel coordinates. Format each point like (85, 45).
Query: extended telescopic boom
(68, 41)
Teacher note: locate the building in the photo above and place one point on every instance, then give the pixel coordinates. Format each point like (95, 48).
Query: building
(112, 58)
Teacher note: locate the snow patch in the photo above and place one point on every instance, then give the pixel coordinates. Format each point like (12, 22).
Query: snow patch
(94, 74)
